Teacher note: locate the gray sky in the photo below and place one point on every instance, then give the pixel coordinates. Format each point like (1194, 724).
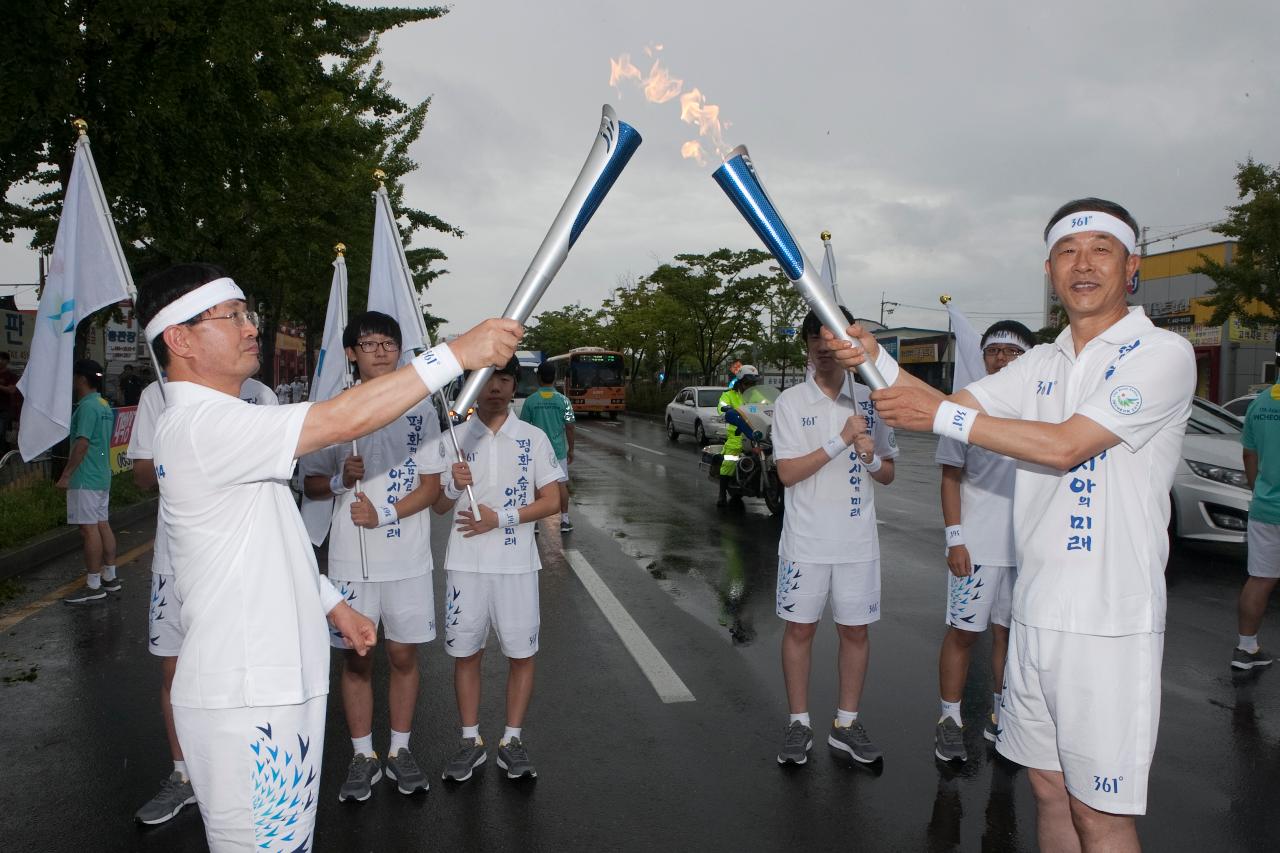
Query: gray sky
(933, 139)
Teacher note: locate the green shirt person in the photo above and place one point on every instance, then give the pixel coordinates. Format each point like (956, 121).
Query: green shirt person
(87, 479)
(551, 412)
(1261, 440)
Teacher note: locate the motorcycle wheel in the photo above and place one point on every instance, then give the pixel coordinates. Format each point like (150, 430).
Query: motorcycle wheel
(773, 498)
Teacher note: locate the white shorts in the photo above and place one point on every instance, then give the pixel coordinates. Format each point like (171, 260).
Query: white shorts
(256, 773)
(407, 608)
(1264, 549)
(986, 596)
(164, 618)
(474, 601)
(1086, 706)
(87, 506)
(854, 589)
(564, 469)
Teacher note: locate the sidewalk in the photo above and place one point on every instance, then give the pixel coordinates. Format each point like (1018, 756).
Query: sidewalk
(49, 546)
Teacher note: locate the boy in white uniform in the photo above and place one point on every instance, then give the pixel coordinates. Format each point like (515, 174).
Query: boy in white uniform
(164, 616)
(977, 509)
(829, 445)
(400, 474)
(253, 672)
(1096, 421)
(492, 564)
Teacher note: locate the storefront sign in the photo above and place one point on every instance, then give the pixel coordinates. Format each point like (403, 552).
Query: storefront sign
(120, 436)
(918, 353)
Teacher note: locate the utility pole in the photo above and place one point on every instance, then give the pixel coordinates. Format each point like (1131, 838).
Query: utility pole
(883, 304)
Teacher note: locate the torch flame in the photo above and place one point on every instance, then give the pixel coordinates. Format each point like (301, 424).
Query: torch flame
(621, 69)
(692, 150)
(659, 87)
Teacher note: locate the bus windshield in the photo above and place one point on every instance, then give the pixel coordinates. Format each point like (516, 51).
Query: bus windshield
(595, 370)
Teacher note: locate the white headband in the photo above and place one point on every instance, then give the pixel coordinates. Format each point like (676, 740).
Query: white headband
(1092, 220)
(1004, 336)
(192, 304)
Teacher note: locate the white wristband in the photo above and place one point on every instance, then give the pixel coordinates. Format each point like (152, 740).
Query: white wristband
(887, 366)
(955, 536)
(954, 421)
(834, 446)
(337, 485)
(437, 367)
(874, 465)
(451, 491)
(511, 518)
(386, 514)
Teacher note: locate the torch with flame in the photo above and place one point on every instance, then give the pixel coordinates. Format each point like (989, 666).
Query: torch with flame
(659, 87)
(615, 142)
(738, 178)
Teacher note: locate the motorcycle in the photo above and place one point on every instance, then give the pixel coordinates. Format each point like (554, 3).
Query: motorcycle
(756, 472)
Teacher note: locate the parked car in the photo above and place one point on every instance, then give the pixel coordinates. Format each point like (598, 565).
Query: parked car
(1210, 497)
(695, 411)
(1240, 405)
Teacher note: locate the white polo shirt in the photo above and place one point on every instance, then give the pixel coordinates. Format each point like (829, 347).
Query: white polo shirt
(396, 457)
(1092, 542)
(508, 467)
(142, 439)
(830, 516)
(986, 500)
(253, 601)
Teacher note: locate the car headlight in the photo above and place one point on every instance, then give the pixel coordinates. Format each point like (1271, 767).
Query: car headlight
(1229, 476)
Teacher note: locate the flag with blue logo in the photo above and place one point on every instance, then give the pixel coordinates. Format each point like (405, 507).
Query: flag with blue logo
(331, 377)
(391, 287)
(87, 272)
(969, 366)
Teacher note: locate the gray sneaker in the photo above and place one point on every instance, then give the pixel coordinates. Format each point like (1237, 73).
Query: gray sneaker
(566, 527)
(112, 585)
(470, 755)
(175, 792)
(948, 741)
(403, 769)
(1240, 659)
(361, 776)
(84, 595)
(991, 731)
(514, 758)
(796, 743)
(853, 739)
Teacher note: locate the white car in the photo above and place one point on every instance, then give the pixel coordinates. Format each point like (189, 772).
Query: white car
(1210, 498)
(695, 411)
(1240, 405)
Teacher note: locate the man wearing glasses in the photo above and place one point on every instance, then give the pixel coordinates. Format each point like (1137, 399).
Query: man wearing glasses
(381, 493)
(253, 672)
(977, 509)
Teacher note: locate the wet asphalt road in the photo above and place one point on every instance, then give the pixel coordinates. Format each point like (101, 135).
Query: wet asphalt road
(619, 768)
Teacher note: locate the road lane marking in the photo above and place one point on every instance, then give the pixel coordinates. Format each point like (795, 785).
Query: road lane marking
(655, 667)
(66, 589)
(645, 449)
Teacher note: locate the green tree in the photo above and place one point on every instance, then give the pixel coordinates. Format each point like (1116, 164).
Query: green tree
(648, 326)
(1249, 286)
(781, 343)
(241, 132)
(557, 331)
(718, 298)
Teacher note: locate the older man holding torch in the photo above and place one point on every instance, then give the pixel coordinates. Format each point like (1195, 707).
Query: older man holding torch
(253, 672)
(1095, 420)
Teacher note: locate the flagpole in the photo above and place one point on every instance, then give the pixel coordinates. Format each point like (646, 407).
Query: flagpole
(341, 250)
(944, 299)
(830, 257)
(424, 337)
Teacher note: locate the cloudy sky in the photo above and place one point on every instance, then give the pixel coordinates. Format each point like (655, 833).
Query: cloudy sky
(933, 139)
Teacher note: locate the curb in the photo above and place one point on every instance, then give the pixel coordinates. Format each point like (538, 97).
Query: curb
(63, 540)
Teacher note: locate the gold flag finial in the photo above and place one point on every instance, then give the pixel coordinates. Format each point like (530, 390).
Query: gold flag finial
(944, 298)
(81, 126)
(341, 249)
(379, 176)
(825, 235)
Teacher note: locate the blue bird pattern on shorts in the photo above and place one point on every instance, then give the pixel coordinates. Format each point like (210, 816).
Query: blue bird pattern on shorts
(961, 593)
(284, 789)
(159, 598)
(788, 582)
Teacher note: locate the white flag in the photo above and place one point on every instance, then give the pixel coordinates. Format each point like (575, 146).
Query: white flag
(828, 273)
(391, 288)
(331, 377)
(86, 273)
(969, 365)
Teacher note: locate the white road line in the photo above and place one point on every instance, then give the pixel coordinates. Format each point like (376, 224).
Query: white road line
(645, 449)
(655, 667)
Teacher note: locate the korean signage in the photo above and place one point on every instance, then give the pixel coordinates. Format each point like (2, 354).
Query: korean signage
(120, 435)
(122, 340)
(1263, 334)
(918, 353)
(16, 329)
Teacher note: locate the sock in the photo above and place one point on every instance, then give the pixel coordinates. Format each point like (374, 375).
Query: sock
(952, 710)
(844, 719)
(181, 767)
(512, 731)
(399, 741)
(470, 731)
(108, 573)
(1247, 643)
(363, 745)
(94, 580)
(802, 717)
(564, 516)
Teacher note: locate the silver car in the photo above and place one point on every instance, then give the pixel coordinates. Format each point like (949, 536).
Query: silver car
(695, 411)
(1210, 496)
